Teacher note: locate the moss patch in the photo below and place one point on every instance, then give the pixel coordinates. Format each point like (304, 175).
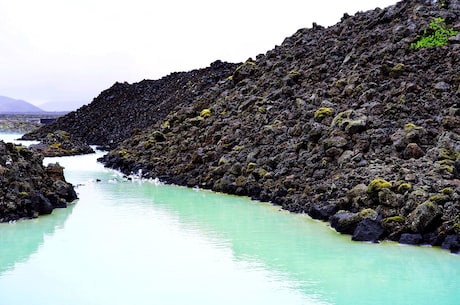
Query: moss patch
(377, 185)
(205, 113)
(322, 112)
(404, 187)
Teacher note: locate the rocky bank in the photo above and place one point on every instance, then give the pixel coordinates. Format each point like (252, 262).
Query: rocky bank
(61, 143)
(27, 188)
(349, 124)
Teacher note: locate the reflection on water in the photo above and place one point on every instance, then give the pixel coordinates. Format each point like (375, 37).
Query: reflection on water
(307, 255)
(22, 238)
(14, 138)
(131, 242)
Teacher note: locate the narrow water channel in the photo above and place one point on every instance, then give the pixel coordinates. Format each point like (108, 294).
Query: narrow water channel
(140, 242)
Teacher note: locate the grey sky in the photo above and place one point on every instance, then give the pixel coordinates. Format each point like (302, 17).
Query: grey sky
(71, 50)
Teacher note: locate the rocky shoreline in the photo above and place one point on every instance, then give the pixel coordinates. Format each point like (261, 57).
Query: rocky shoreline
(349, 124)
(29, 189)
(61, 143)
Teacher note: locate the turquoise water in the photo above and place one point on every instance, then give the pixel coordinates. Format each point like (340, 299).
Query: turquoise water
(133, 242)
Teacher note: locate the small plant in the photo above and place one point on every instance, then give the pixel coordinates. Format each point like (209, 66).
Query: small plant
(438, 38)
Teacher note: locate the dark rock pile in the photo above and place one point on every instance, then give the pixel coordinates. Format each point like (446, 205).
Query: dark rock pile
(348, 124)
(27, 188)
(123, 109)
(61, 143)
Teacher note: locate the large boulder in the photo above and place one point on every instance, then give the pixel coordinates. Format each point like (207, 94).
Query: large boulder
(452, 243)
(411, 238)
(368, 230)
(423, 216)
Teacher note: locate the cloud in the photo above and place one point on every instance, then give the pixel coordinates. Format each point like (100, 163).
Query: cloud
(72, 50)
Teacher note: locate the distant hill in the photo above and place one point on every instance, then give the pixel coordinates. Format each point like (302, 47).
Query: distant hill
(10, 105)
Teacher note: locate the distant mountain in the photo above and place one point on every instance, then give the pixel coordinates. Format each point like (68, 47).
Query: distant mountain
(10, 105)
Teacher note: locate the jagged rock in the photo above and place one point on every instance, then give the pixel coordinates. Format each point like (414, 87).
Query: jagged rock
(368, 230)
(442, 86)
(61, 143)
(410, 239)
(345, 222)
(423, 216)
(41, 203)
(412, 150)
(28, 188)
(452, 243)
(322, 212)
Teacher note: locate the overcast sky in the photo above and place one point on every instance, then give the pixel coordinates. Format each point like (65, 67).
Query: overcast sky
(71, 50)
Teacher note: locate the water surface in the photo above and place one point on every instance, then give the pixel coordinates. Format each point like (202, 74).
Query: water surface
(133, 242)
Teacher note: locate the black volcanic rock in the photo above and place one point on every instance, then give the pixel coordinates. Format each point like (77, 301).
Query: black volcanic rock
(124, 109)
(61, 143)
(346, 120)
(368, 230)
(410, 239)
(30, 189)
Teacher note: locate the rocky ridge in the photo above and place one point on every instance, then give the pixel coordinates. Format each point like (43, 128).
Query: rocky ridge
(27, 188)
(125, 108)
(347, 123)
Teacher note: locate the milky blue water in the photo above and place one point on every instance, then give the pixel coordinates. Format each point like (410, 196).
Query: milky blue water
(133, 242)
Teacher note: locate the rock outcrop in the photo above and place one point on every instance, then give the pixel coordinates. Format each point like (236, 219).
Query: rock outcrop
(27, 188)
(348, 123)
(61, 143)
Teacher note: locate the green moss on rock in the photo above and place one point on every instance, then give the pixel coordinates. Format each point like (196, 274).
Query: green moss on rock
(397, 219)
(377, 185)
(251, 167)
(447, 191)
(423, 215)
(350, 121)
(322, 112)
(205, 113)
(404, 187)
(368, 213)
(165, 125)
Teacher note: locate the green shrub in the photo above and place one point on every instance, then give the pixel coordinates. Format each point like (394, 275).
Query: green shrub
(438, 38)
